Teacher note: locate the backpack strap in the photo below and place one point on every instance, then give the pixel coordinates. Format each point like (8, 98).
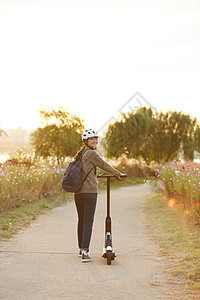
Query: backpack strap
(90, 169)
(87, 174)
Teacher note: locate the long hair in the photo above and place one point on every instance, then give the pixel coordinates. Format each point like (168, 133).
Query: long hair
(79, 152)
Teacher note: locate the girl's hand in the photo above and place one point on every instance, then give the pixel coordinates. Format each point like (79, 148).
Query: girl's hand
(120, 177)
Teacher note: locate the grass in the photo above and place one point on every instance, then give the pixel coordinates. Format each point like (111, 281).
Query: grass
(179, 239)
(13, 220)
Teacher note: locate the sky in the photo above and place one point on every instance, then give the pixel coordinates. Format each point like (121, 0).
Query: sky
(94, 58)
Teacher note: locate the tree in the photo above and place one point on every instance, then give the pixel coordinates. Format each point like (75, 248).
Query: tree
(197, 139)
(152, 136)
(60, 137)
(132, 135)
(175, 128)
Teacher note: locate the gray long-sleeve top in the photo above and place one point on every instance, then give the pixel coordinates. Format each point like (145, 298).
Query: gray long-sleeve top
(90, 160)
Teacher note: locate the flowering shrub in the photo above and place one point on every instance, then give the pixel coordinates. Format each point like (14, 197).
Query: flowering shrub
(132, 167)
(182, 183)
(20, 184)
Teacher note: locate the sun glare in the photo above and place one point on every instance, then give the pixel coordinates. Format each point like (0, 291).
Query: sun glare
(171, 202)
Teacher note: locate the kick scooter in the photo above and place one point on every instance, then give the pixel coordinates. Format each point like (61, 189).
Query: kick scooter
(108, 250)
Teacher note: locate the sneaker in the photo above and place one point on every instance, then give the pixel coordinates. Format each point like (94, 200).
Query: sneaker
(86, 256)
(80, 253)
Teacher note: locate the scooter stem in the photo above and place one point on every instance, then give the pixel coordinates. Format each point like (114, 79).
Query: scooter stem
(108, 196)
(108, 218)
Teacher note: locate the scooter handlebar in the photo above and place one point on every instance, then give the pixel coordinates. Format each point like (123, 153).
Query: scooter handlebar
(108, 175)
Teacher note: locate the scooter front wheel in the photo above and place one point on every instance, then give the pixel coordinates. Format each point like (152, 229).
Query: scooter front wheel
(109, 257)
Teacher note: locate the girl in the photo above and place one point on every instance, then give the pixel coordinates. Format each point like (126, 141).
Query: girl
(86, 197)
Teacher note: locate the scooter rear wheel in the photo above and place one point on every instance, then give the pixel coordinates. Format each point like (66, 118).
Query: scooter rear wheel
(109, 257)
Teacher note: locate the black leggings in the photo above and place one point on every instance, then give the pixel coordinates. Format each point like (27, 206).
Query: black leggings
(86, 205)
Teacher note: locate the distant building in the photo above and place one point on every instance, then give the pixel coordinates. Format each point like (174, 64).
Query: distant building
(17, 138)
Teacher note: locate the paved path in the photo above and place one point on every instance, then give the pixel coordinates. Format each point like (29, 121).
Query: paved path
(41, 262)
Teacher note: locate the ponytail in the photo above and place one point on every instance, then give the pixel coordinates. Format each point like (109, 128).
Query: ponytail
(78, 154)
(80, 151)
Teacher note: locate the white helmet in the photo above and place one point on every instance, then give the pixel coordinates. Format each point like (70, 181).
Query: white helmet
(89, 133)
